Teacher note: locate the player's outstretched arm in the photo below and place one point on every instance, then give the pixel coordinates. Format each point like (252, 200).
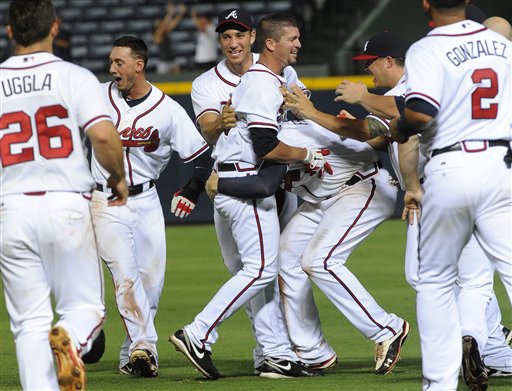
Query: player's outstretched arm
(109, 152)
(264, 184)
(357, 93)
(361, 130)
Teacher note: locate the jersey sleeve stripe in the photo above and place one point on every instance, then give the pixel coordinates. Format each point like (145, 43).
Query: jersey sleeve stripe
(95, 120)
(263, 125)
(425, 97)
(208, 110)
(203, 149)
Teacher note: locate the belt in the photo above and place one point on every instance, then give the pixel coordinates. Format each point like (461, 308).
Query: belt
(357, 177)
(226, 167)
(461, 147)
(132, 190)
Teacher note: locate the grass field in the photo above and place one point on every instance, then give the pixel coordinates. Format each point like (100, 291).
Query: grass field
(194, 273)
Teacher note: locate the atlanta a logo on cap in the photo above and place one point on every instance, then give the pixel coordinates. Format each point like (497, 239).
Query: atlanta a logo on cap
(232, 14)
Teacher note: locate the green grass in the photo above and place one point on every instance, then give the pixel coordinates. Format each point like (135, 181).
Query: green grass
(195, 271)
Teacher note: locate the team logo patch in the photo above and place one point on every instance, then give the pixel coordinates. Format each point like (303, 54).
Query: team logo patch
(148, 138)
(232, 14)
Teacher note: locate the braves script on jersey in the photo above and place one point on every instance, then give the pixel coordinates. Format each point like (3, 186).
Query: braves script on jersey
(43, 140)
(150, 131)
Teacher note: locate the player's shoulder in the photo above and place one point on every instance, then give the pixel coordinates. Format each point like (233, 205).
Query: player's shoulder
(261, 72)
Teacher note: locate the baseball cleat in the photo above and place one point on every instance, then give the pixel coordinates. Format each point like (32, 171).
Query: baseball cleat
(200, 358)
(473, 370)
(508, 335)
(277, 368)
(324, 365)
(97, 350)
(496, 372)
(388, 352)
(127, 370)
(70, 368)
(143, 363)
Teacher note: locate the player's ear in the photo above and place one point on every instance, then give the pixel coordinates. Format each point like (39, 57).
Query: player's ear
(9, 31)
(270, 44)
(139, 65)
(54, 30)
(253, 36)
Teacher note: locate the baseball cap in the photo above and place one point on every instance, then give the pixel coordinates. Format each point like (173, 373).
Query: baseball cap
(382, 45)
(234, 18)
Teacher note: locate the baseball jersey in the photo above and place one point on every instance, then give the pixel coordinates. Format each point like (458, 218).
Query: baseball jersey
(150, 132)
(212, 89)
(257, 102)
(347, 156)
(465, 69)
(42, 146)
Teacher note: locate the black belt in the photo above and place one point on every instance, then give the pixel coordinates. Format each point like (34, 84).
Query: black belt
(358, 177)
(459, 147)
(132, 190)
(226, 167)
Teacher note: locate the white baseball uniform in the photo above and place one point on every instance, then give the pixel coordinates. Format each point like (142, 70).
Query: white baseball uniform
(468, 184)
(248, 230)
(48, 244)
(131, 238)
(210, 92)
(339, 212)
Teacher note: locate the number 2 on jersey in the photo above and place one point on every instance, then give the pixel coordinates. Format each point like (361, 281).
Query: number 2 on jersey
(45, 134)
(477, 111)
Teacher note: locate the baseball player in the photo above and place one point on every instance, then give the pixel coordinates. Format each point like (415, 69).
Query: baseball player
(465, 130)
(210, 91)
(47, 233)
(250, 228)
(323, 232)
(131, 239)
(474, 272)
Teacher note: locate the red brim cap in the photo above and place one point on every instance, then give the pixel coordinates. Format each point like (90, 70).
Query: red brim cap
(364, 57)
(231, 22)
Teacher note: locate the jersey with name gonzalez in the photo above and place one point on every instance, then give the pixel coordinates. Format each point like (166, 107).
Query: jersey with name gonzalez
(464, 71)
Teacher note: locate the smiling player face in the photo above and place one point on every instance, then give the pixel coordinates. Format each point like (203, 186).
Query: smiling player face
(287, 48)
(236, 46)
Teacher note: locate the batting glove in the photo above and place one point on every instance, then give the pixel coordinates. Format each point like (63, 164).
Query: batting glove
(315, 162)
(181, 206)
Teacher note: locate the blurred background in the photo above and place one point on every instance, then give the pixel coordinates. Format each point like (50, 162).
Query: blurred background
(332, 31)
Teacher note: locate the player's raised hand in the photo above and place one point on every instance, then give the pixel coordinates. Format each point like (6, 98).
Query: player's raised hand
(350, 92)
(315, 162)
(297, 102)
(212, 185)
(119, 189)
(227, 118)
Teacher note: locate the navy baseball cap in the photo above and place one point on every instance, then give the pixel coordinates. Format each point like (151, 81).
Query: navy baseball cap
(234, 18)
(382, 45)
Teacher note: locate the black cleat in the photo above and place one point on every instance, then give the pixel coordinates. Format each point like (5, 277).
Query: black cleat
(200, 358)
(473, 370)
(277, 368)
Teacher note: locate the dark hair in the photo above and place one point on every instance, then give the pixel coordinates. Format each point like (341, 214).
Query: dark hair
(137, 45)
(31, 20)
(447, 3)
(271, 26)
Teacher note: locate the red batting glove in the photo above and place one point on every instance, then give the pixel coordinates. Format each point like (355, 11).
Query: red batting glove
(181, 207)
